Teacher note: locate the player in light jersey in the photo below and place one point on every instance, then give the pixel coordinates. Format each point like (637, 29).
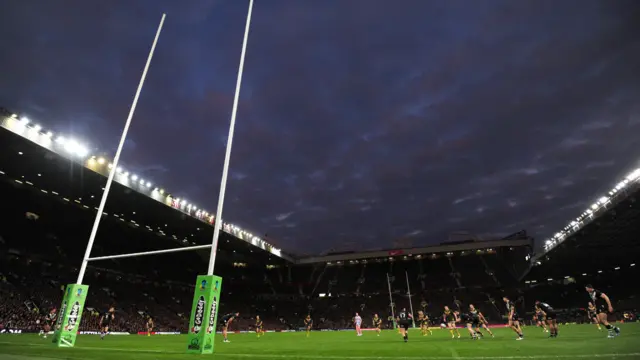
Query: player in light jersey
(357, 320)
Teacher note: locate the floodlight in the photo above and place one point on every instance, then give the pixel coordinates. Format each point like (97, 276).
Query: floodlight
(603, 200)
(37, 128)
(594, 206)
(101, 161)
(134, 177)
(73, 147)
(634, 175)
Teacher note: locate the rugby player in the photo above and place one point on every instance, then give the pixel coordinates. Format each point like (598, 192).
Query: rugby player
(550, 315)
(483, 321)
(149, 326)
(592, 314)
(225, 322)
(49, 322)
(540, 320)
(105, 321)
(472, 321)
(259, 326)
(512, 315)
(478, 321)
(602, 304)
(404, 322)
(308, 323)
(423, 322)
(450, 319)
(377, 323)
(357, 320)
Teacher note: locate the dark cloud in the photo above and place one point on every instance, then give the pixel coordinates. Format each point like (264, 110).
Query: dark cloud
(360, 122)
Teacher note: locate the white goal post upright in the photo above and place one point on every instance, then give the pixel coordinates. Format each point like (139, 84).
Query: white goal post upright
(227, 155)
(116, 158)
(391, 304)
(70, 315)
(206, 297)
(413, 319)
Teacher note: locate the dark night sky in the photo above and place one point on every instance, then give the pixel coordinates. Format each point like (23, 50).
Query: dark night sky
(360, 122)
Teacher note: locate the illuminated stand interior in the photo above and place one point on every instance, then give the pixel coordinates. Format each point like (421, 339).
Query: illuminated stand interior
(208, 288)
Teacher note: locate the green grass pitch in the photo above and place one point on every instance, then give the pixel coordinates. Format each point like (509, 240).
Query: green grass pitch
(574, 342)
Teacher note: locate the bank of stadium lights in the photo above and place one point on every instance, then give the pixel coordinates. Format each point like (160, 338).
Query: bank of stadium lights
(19, 124)
(590, 212)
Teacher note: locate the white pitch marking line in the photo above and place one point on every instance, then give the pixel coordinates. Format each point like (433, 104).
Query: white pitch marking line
(283, 356)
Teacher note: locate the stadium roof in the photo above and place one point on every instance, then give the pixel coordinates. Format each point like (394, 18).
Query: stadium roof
(607, 243)
(447, 249)
(94, 171)
(623, 189)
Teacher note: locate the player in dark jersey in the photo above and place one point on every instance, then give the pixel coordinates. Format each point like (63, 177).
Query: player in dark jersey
(512, 316)
(377, 323)
(472, 321)
(483, 321)
(449, 318)
(49, 322)
(540, 320)
(550, 315)
(592, 315)
(423, 322)
(259, 326)
(225, 322)
(308, 324)
(106, 319)
(404, 322)
(149, 326)
(602, 304)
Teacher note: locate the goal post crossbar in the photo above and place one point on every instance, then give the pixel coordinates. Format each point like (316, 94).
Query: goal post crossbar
(153, 252)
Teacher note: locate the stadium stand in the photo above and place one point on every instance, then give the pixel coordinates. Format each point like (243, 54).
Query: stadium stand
(49, 206)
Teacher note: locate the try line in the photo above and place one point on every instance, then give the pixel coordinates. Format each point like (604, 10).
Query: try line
(292, 356)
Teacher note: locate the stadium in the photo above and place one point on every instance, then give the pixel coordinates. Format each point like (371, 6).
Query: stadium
(52, 185)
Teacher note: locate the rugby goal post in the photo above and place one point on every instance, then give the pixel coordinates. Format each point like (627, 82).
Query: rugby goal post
(203, 319)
